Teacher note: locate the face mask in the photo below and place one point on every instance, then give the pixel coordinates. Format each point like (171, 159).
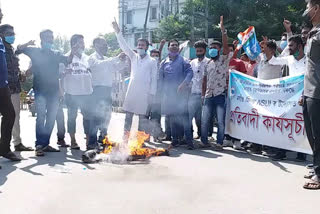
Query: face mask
(156, 58)
(10, 39)
(306, 13)
(80, 52)
(213, 52)
(141, 52)
(296, 54)
(283, 44)
(200, 56)
(173, 54)
(47, 46)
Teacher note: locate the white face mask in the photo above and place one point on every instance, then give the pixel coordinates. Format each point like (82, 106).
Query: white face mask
(141, 52)
(156, 58)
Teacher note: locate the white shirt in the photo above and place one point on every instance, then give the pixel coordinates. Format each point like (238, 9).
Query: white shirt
(198, 68)
(143, 80)
(267, 71)
(295, 67)
(78, 80)
(102, 69)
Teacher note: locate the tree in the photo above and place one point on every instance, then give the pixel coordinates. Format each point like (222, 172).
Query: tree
(62, 44)
(173, 26)
(112, 42)
(266, 15)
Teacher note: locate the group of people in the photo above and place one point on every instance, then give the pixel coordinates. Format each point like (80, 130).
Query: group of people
(174, 87)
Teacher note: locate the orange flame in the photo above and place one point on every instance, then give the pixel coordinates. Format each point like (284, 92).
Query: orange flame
(136, 146)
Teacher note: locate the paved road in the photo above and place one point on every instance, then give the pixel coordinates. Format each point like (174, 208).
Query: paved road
(186, 182)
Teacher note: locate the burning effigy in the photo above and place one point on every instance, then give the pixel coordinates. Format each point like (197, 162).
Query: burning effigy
(131, 150)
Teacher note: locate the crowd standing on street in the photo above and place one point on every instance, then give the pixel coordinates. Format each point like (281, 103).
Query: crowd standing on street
(179, 89)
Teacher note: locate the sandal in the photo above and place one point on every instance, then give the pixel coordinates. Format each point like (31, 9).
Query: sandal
(312, 185)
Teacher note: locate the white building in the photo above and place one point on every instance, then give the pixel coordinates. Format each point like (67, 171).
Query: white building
(132, 16)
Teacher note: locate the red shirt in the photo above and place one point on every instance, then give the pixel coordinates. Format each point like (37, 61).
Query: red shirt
(238, 65)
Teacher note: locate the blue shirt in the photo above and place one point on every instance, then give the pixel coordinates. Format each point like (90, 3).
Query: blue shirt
(3, 67)
(172, 75)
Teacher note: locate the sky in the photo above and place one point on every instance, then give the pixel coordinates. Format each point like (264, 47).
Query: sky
(64, 17)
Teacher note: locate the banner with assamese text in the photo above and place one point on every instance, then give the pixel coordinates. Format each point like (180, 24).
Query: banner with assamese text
(267, 111)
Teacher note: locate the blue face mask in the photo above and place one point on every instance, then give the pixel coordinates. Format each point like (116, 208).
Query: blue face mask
(47, 46)
(213, 52)
(283, 44)
(10, 39)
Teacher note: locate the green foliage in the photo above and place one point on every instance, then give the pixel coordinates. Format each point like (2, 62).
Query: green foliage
(61, 44)
(173, 26)
(113, 45)
(266, 15)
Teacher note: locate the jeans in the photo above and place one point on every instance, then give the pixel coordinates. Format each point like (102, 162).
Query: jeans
(60, 123)
(46, 108)
(7, 121)
(144, 123)
(74, 102)
(167, 127)
(101, 116)
(195, 110)
(179, 127)
(156, 119)
(311, 115)
(217, 103)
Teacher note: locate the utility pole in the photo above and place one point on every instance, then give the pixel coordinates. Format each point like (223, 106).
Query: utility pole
(192, 23)
(207, 20)
(178, 9)
(146, 20)
(166, 8)
(122, 5)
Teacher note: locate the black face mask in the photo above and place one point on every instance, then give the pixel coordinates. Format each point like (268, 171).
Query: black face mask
(200, 56)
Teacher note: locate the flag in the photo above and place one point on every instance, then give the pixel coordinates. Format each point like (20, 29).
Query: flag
(249, 42)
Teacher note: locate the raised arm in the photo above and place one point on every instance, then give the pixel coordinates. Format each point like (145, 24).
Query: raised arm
(122, 43)
(25, 48)
(226, 50)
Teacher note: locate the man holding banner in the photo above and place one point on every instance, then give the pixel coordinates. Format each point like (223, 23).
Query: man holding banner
(311, 100)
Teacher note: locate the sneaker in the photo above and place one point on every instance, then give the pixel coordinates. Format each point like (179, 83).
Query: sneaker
(279, 157)
(255, 151)
(204, 145)
(75, 146)
(227, 143)
(237, 145)
(62, 143)
(268, 154)
(39, 151)
(190, 147)
(22, 148)
(217, 147)
(50, 149)
(11, 156)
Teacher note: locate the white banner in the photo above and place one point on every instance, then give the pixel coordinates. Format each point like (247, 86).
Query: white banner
(267, 112)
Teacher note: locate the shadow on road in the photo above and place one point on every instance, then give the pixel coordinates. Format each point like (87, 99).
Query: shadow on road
(54, 160)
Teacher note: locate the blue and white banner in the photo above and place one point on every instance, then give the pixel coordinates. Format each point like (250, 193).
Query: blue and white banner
(267, 111)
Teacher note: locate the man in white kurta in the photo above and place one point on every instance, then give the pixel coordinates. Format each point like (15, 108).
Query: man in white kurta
(143, 82)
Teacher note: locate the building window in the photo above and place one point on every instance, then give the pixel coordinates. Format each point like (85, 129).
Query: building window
(129, 18)
(153, 13)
